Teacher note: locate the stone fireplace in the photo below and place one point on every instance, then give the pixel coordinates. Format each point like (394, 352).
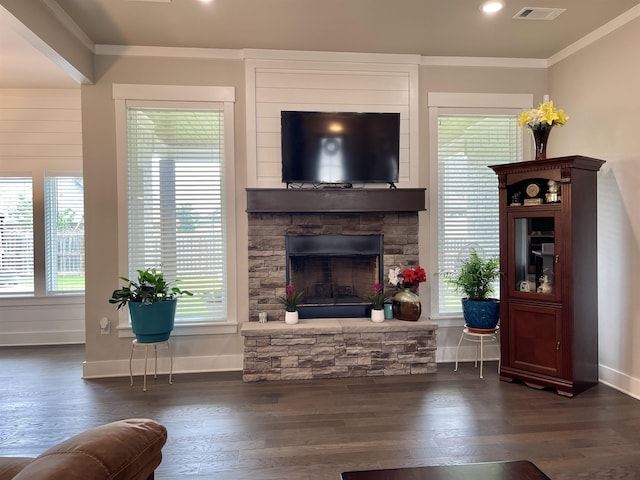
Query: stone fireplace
(380, 224)
(334, 244)
(268, 257)
(334, 272)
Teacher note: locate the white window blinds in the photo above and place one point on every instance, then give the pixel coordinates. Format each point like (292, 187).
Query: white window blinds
(468, 190)
(16, 236)
(64, 234)
(176, 202)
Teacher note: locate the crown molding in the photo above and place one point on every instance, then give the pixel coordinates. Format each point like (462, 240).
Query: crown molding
(596, 35)
(169, 52)
(497, 62)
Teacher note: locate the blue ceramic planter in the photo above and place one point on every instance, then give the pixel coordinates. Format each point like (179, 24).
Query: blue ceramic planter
(481, 314)
(152, 322)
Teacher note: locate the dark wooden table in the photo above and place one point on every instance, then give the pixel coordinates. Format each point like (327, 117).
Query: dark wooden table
(520, 470)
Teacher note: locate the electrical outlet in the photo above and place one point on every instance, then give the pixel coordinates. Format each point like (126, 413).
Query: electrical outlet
(105, 326)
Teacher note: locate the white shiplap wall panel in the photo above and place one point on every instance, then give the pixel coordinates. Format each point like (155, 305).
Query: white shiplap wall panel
(274, 86)
(37, 126)
(271, 169)
(46, 152)
(40, 130)
(371, 98)
(339, 79)
(268, 139)
(40, 138)
(38, 114)
(272, 110)
(40, 99)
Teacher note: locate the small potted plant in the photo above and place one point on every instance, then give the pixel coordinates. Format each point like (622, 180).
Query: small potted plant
(474, 279)
(377, 301)
(152, 305)
(291, 300)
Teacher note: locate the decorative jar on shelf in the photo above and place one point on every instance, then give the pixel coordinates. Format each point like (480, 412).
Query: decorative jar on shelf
(407, 306)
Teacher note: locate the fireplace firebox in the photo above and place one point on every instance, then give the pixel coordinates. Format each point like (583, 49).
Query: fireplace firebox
(334, 272)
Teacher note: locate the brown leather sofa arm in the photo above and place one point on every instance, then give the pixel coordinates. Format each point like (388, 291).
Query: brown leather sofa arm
(124, 450)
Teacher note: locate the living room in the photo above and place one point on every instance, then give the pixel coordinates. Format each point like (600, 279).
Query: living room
(594, 80)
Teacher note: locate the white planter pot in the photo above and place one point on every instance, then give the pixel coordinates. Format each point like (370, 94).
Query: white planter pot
(291, 318)
(377, 316)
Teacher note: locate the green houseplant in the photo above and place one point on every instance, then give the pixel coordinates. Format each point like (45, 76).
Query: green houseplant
(291, 299)
(152, 304)
(474, 279)
(377, 301)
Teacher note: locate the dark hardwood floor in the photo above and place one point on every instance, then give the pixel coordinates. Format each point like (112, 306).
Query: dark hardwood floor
(222, 428)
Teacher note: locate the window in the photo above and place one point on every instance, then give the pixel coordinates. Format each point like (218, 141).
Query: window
(465, 190)
(176, 202)
(16, 236)
(64, 234)
(468, 190)
(63, 248)
(176, 194)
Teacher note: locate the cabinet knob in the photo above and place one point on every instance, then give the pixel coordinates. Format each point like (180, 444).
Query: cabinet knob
(557, 259)
(558, 346)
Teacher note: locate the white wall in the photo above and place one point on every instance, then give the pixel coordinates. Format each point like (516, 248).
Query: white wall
(598, 88)
(40, 130)
(370, 85)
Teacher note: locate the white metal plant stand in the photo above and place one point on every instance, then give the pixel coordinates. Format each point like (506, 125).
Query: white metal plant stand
(479, 338)
(135, 345)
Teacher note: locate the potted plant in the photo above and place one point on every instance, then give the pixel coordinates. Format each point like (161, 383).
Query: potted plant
(377, 301)
(474, 279)
(291, 300)
(152, 305)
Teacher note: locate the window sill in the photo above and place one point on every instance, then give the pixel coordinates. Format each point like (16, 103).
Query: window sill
(448, 320)
(31, 301)
(209, 328)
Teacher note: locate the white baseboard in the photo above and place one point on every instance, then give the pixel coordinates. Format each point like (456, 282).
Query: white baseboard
(120, 368)
(22, 339)
(467, 353)
(620, 381)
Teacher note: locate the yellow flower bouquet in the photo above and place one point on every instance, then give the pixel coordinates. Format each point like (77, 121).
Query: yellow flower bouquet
(545, 115)
(540, 121)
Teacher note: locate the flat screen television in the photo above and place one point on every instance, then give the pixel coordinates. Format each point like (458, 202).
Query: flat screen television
(340, 147)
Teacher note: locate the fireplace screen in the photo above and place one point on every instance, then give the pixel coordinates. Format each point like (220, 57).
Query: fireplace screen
(334, 272)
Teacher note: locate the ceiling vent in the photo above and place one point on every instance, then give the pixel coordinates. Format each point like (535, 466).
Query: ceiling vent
(538, 13)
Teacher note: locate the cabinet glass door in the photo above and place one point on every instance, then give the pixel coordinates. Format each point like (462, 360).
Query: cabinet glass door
(535, 256)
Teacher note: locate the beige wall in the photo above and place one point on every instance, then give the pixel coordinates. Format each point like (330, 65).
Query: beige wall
(101, 191)
(598, 88)
(98, 115)
(463, 80)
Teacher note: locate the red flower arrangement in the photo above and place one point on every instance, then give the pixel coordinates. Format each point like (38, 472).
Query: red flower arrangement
(407, 278)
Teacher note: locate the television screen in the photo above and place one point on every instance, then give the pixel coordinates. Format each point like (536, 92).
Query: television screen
(340, 147)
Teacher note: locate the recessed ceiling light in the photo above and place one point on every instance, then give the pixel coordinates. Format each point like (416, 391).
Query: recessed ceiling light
(492, 6)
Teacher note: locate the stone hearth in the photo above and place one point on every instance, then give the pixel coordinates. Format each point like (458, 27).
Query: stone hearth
(331, 348)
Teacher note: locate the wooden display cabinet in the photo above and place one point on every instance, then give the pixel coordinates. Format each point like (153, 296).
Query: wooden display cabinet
(548, 291)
